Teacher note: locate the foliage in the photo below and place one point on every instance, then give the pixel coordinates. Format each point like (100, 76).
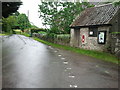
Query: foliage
(17, 31)
(42, 32)
(63, 35)
(33, 26)
(36, 30)
(8, 23)
(117, 3)
(115, 32)
(9, 8)
(16, 13)
(59, 15)
(23, 22)
(16, 20)
(63, 39)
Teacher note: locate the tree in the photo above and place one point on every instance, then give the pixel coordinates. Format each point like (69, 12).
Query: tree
(117, 3)
(9, 8)
(59, 15)
(16, 20)
(23, 22)
(8, 23)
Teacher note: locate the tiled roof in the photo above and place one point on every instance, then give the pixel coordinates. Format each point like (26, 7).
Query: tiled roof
(96, 15)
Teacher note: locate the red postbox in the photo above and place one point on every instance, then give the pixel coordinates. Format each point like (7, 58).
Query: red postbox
(83, 38)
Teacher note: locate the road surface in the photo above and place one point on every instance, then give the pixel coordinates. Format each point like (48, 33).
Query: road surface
(27, 63)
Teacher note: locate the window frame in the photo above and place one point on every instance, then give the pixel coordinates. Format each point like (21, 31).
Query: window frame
(94, 30)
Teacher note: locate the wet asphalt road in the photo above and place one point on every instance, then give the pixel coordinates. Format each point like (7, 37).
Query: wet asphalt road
(27, 63)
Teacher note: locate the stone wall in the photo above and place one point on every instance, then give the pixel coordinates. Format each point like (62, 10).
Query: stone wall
(58, 39)
(115, 44)
(74, 40)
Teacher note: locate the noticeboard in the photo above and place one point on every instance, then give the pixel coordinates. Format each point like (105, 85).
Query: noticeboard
(101, 37)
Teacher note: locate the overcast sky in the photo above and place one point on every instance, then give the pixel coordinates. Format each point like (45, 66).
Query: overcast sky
(32, 7)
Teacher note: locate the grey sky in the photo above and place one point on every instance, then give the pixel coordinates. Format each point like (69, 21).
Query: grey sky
(31, 6)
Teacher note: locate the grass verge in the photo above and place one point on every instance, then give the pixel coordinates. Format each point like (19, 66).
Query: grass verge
(96, 54)
(25, 34)
(4, 34)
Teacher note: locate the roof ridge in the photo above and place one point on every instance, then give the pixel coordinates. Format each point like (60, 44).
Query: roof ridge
(103, 5)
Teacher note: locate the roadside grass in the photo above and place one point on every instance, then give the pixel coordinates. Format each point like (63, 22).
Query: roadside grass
(25, 34)
(17, 31)
(96, 54)
(3, 34)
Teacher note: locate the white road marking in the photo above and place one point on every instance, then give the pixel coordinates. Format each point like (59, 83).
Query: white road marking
(69, 68)
(63, 58)
(59, 55)
(106, 72)
(73, 86)
(65, 70)
(65, 62)
(70, 85)
(71, 76)
(96, 66)
(55, 51)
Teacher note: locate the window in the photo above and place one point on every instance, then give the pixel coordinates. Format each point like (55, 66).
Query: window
(93, 31)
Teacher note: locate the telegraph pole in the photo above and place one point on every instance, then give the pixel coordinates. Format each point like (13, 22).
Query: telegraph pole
(28, 22)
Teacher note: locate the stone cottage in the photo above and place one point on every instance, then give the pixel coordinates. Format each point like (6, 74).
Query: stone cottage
(93, 28)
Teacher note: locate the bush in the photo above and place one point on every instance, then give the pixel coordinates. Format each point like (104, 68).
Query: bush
(36, 30)
(42, 33)
(63, 39)
(50, 37)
